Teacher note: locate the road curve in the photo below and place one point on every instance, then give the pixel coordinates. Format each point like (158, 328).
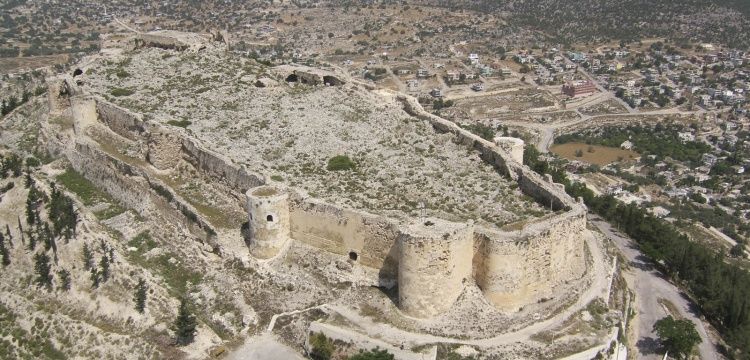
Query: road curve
(650, 286)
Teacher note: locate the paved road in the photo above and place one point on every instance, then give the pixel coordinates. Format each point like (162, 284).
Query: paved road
(650, 286)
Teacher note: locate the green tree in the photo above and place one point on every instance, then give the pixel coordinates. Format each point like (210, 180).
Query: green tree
(321, 347)
(340, 162)
(140, 296)
(104, 265)
(679, 337)
(95, 278)
(374, 354)
(184, 325)
(42, 269)
(88, 257)
(64, 276)
(4, 251)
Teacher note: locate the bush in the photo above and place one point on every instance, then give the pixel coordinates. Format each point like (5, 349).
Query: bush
(122, 92)
(340, 162)
(180, 123)
(321, 347)
(374, 354)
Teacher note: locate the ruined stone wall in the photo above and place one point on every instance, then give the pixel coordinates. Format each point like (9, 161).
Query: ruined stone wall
(122, 121)
(530, 182)
(514, 269)
(220, 168)
(167, 146)
(164, 148)
(161, 41)
(116, 178)
(340, 231)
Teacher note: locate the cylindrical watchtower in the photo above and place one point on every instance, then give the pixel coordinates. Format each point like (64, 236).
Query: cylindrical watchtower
(268, 214)
(434, 263)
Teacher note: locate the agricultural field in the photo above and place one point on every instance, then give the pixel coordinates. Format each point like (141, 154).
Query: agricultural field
(593, 154)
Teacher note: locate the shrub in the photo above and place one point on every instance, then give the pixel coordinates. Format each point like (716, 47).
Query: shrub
(321, 347)
(180, 123)
(340, 162)
(122, 92)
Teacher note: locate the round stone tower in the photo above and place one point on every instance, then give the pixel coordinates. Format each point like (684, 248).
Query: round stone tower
(435, 261)
(514, 146)
(268, 214)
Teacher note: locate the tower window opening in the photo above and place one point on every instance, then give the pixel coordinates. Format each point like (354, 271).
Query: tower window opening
(353, 255)
(269, 218)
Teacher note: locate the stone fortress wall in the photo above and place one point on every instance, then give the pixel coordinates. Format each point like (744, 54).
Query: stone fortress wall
(431, 260)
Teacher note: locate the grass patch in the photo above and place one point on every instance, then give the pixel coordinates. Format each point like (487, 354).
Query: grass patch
(89, 194)
(175, 274)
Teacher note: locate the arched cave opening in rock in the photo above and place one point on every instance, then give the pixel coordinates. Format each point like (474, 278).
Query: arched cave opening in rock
(353, 255)
(77, 72)
(292, 78)
(332, 80)
(269, 218)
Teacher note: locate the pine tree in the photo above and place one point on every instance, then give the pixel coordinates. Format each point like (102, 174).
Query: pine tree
(29, 210)
(104, 264)
(88, 257)
(42, 269)
(64, 276)
(28, 181)
(94, 278)
(8, 235)
(32, 241)
(140, 296)
(4, 251)
(46, 236)
(20, 231)
(184, 325)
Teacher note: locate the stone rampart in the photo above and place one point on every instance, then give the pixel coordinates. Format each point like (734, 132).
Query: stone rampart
(220, 168)
(122, 121)
(524, 267)
(371, 238)
(167, 145)
(434, 265)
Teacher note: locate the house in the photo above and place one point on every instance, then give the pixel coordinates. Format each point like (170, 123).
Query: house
(477, 87)
(423, 73)
(709, 159)
(577, 56)
(453, 75)
(505, 72)
(626, 145)
(474, 58)
(580, 87)
(686, 136)
(436, 93)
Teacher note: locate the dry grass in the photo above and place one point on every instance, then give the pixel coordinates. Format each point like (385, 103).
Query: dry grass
(601, 155)
(8, 65)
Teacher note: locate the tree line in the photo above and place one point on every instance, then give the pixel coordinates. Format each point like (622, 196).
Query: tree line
(720, 289)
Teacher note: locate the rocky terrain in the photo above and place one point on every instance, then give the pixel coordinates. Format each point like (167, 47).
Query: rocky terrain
(290, 131)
